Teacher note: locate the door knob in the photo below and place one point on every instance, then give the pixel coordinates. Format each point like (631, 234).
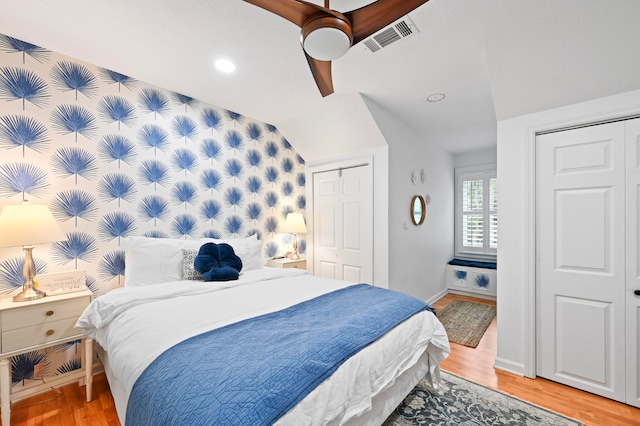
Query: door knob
(636, 292)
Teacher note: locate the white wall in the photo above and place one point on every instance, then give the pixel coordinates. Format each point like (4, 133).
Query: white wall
(476, 158)
(516, 186)
(418, 254)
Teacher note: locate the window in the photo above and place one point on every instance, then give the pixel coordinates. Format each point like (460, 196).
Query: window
(476, 212)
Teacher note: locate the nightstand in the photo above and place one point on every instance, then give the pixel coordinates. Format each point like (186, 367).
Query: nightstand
(39, 324)
(287, 263)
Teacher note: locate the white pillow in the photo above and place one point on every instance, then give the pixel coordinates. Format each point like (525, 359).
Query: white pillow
(248, 249)
(157, 260)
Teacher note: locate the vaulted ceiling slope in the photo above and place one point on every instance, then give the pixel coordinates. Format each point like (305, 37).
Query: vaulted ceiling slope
(494, 59)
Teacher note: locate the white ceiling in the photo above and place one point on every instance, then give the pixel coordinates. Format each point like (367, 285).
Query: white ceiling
(494, 59)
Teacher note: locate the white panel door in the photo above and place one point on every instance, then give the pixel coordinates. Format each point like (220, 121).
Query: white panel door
(633, 261)
(326, 223)
(343, 224)
(581, 258)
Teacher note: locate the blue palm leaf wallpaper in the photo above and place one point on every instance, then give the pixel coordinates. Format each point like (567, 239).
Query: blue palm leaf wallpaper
(117, 186)
(234, 197)
(271, 150)
(185, 100)
(254, 132)
(13, 45)
(254, 185)
(77, 246)
(154, 172)
(211, 119)
(23, 131)
(271, 175)
(210, 149)
(116, 109)
(114, 157)
(211, 179)
(234, 169)
(154, 136)
(287, 166)
(234, 116)
(234, 225)
(154, 101)
(116, 225)
(72, 161)
(74, 204)
(154, 207)
(71, 76)
(211, 210)
(23, 366)
(23, 179)
(184, 225)
(254, 158)
(112, 77)
(22, 84)
(184, 160)
(116, 148)
(66, 119)
(234, 140)
(185, 127)
(112, 266)
(287, 189)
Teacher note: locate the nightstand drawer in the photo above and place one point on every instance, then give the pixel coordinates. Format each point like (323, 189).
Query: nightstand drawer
(34, 335)
(42, 313)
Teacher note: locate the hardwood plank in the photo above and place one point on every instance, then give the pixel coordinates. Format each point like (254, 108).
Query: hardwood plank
(67, 406)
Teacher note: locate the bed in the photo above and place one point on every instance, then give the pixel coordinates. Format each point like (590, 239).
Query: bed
(179, 351)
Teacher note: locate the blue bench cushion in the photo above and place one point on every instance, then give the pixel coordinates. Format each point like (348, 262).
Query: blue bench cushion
(473, 263)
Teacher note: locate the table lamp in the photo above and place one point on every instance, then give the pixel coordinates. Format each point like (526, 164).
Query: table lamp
(26, 225)
(294, 224)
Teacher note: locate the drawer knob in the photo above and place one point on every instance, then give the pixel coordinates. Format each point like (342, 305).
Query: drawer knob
(49, 313)
(50, 332)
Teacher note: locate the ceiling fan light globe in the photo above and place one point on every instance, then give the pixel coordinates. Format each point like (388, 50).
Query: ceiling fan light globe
(326, 44)
(326, 38)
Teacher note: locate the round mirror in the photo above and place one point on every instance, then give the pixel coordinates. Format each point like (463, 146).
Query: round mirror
(418, 209)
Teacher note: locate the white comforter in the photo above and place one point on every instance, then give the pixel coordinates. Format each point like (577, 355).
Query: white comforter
(136, 324)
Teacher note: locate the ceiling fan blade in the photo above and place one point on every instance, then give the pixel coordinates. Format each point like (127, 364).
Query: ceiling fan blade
(321, 71)
(371, 18)
(295, 11)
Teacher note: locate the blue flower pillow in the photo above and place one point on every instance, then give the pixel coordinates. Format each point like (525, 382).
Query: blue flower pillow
(217, 262)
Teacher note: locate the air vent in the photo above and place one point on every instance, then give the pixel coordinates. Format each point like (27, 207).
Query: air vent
(398, 30)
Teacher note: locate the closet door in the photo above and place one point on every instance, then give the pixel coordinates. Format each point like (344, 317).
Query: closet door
(633, 262)
(343, 224)
(581, 258)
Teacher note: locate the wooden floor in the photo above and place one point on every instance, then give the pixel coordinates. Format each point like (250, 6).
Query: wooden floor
(66, 406)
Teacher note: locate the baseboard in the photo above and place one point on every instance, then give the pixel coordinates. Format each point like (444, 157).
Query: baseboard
(437, 297)
(471, 294)
(509, 366)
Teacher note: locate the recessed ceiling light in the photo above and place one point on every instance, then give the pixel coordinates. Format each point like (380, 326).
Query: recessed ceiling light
(225, 65)
(436, 97)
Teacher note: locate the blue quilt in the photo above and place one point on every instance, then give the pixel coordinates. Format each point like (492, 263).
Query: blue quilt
(212, 379)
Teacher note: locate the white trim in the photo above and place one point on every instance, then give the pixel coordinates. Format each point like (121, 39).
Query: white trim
(583, 114)
(377, 158)
(437, 296)
(509, 366)
(464, 173)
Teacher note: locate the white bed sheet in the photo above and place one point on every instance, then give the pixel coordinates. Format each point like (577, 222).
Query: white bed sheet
(135, 325)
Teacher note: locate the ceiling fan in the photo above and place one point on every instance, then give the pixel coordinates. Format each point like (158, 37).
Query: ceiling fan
(327, 34)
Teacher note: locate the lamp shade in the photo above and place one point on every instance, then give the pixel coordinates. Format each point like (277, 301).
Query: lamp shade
(28, 224)
(294, 224)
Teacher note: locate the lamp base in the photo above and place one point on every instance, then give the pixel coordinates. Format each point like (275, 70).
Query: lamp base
(29, 294)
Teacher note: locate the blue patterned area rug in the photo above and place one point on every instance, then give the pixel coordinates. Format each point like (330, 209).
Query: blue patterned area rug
(461, 402)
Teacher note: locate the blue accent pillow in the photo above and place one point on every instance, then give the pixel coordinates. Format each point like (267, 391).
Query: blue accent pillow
(217, 262)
